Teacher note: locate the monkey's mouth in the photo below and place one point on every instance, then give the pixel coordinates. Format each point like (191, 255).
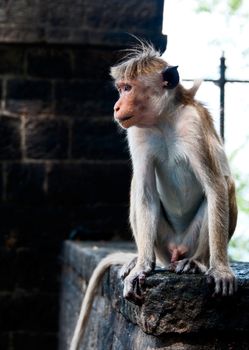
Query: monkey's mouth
(124, 119)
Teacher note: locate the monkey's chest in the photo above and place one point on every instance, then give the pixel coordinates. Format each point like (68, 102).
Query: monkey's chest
(179, 190)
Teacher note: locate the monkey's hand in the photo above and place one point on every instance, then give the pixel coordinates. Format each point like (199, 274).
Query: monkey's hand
(134, 281)
(187, 266)
(224, 280)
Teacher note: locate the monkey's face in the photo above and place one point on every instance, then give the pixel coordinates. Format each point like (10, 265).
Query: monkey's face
(135, 104)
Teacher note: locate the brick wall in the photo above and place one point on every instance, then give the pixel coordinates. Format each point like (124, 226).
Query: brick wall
(64, 168)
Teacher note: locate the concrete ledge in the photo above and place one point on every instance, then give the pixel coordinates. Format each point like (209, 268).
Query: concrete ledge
(179, 311)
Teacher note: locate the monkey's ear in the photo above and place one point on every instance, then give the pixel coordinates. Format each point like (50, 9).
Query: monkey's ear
(171, 77)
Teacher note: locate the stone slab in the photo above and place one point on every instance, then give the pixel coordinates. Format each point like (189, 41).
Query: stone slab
(176, 307)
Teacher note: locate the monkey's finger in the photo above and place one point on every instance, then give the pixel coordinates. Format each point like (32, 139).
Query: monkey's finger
(180, 266)
(187, 268)
(122, 273)
(233, 287)
(171, 267)
(225, 287)
(141, 278)
(210, 279)
(134, 296)
(128, 286)
(136, 290)
(132, 291)
(218, 286)
(195, 269)
(191, 266)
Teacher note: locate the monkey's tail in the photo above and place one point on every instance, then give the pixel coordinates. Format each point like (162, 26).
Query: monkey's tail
(119, 258)
(193, 90)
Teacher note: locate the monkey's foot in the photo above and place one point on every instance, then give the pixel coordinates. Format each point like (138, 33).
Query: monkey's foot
(134, 282)
(224, 280)
(126, 268)
(188, 266)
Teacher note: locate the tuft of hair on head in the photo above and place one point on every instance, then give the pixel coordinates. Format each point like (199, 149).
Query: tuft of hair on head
(141, 59)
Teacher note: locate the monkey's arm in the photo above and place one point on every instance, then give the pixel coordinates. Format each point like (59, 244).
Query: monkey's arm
(218, 222)
(144, 216)
(209, 170)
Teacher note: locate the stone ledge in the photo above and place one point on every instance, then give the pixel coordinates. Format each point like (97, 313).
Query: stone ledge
(84, 37)
(176, 307)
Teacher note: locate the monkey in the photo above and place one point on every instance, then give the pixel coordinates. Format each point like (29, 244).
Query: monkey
(183, 208)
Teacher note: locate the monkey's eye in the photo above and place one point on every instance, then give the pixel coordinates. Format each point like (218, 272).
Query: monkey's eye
(127, 87)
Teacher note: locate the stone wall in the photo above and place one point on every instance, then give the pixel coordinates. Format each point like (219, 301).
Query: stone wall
(64, 169)
(179, 312)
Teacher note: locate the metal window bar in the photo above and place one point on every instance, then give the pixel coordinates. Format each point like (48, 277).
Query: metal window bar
(221, 82)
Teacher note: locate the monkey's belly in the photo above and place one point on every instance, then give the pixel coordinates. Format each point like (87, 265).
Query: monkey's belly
(181, 195)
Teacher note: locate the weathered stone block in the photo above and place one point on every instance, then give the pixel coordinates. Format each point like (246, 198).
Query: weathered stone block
(119, 39)
(87, 221)
(29, 96)
(25, 182)
(84, 98)
(46, 138)
(34, 340)
(1, 184)
(49, 63)
(93, 63)
(21, 12)
(130, 16)
(11, 60)
(98, 139)
(7, 257)
(28, 310)
(22, 267)
(178, 312)
(32, 270)
(4, 340)
(63, 14)
(89, 183)
(24, 89)
(10, 138)
(17, 33)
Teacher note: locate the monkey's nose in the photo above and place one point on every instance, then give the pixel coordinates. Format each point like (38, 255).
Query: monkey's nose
(116, 107)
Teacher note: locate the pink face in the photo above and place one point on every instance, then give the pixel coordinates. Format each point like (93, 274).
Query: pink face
(134, 106)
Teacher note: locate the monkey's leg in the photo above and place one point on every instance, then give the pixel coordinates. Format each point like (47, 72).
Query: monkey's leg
(233, 211)
(165, 234)
(224, 281)
(197, 240)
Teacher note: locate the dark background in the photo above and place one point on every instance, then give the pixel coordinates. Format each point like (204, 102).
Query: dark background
(64, 165)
